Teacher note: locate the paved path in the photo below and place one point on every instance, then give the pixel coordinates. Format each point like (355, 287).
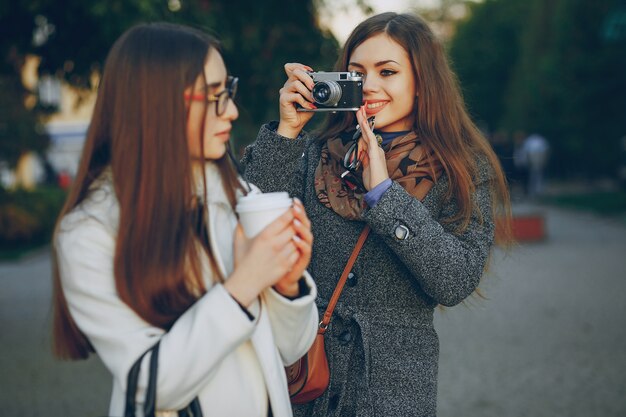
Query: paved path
(32, 383)
(550, 340)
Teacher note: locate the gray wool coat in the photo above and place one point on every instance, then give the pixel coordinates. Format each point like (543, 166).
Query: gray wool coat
(381, 344)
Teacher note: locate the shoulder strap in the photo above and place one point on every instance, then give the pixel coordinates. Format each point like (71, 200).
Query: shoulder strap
(342, 280)
(149, 406)
(133, 377)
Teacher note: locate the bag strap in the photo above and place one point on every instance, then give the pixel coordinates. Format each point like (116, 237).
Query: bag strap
(149, 406)
(131, 385)
(342, 281)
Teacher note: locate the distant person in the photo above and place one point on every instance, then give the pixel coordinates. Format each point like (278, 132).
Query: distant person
(535, 150)
(148, 247)
(427, 183)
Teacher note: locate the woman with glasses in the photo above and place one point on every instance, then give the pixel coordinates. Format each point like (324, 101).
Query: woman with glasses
(421, 177)
(148, 248)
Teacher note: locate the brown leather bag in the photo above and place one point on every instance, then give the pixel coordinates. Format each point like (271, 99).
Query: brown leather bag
(309, 377)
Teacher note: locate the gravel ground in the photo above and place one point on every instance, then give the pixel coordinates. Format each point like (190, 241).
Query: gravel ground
(548, 340)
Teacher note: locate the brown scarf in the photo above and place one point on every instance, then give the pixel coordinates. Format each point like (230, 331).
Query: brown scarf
(408, 163)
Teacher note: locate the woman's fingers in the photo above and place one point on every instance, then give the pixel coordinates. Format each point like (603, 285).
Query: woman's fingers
(373, 157)
(280, 224)
(367, 134)
(288, 99)
(304, 246)
(292, 67)
(297, 86)
(289, 253)
(302, 224)
(300, 213)
(303, 90)
(295, 92)
(301, 73)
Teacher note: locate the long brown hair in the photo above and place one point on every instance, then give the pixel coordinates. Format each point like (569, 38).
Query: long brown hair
(442, 122)
(138, 129)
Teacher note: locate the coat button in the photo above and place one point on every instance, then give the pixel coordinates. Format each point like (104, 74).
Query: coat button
(401, 232)
(345, 337)
(352, 279)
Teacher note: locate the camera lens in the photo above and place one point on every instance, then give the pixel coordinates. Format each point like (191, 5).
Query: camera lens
(326, 93)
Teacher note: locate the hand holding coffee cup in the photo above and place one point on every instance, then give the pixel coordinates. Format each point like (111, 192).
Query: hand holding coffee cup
(277, 243)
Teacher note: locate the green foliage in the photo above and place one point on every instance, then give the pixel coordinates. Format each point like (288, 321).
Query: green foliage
(72, 37)
(27, 217)
(484, 53)
(602, 202)
(551, 67)
(258, 39)
(19, 127)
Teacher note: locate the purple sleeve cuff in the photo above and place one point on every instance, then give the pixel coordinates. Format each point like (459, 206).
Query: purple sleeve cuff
(374, 195)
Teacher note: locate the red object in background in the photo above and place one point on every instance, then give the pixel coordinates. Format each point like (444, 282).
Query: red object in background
(528, 227)
(64, 180)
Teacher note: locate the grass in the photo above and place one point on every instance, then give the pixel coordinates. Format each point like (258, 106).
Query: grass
(606, 203)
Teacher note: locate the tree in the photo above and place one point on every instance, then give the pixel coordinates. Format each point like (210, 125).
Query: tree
(558, 68)
(484, 54)
(571, 84)
(72, 37)
(259, 38)
(591, 93)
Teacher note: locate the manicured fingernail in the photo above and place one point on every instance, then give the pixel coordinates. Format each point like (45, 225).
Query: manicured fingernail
(297, 238)
(297, 208)
(297, 222)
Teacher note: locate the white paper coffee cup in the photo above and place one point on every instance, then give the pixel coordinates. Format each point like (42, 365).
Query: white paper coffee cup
(257, 210)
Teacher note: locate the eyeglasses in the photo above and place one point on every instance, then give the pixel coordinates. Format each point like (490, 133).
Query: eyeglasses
(220, 98)
(352, 181)
(351, 160)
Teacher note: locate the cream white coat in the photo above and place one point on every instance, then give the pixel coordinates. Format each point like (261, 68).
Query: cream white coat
(214, 350)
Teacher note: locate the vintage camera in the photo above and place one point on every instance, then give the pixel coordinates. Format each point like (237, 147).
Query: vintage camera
(336, 91)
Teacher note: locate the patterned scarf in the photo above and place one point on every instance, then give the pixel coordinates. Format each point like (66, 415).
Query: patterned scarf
(408, 163)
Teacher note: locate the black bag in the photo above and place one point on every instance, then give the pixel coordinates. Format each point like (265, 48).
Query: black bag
(149, 406)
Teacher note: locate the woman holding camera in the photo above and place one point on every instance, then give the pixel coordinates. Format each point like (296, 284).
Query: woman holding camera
(425, 181)
(148, 248)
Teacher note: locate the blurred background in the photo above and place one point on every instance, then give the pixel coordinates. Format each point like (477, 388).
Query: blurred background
(544, 80)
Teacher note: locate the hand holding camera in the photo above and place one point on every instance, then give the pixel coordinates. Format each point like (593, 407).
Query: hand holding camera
(306, 92)
(336, 91)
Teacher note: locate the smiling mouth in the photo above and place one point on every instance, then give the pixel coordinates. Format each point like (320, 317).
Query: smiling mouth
(376, 105)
